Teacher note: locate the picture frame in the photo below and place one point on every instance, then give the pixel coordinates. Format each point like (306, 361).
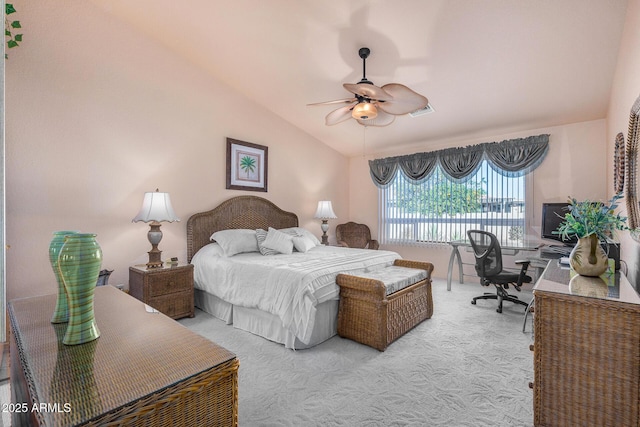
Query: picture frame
(246, 166)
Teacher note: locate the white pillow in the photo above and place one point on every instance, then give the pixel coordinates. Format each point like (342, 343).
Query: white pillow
(299, 231)
(210, 250)
(303, 243)
(278, 241)
(236, 241)
(214, 249)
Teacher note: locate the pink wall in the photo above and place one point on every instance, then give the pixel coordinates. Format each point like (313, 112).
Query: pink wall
(573, 167)
(97, 114)
(625, 90)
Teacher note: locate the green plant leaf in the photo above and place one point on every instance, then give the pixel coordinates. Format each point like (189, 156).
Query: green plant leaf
(18, 37)
(9, 9)
(7, 33)
(16, 24)
(11, 43)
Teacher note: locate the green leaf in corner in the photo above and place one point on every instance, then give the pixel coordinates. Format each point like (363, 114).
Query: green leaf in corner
(18, 37)
(16, 24)
(7, 33)
(9, 9)
(11, 43)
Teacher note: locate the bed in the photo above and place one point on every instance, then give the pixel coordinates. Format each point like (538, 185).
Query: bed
(288, 298)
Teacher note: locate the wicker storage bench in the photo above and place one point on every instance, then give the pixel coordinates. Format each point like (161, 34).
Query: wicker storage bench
(371, 315)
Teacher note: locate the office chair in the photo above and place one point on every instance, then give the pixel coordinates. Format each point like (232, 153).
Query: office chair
(488, 256)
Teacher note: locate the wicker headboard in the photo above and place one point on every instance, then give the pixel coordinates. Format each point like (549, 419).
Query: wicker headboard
(249, 212)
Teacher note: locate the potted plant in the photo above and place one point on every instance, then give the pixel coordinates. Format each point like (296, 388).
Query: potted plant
(591, 223)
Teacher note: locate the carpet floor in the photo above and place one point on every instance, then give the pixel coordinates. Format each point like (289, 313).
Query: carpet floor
(466, 366)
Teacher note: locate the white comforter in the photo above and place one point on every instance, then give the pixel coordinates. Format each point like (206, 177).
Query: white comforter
(289, 286)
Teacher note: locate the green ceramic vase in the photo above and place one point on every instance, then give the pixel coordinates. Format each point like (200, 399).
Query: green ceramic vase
(61, 312)
(79, 263)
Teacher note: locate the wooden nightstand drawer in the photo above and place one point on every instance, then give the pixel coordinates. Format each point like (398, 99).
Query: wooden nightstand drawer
(169, 282)
(167, 289)
(179, 305)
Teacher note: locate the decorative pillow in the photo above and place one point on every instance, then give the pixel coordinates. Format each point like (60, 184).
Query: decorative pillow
(261, 235)
(278, 241)
(303, 243)
(299, 231)
(236, 241)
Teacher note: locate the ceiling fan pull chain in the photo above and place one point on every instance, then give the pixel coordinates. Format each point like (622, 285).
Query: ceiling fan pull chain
(364, 142)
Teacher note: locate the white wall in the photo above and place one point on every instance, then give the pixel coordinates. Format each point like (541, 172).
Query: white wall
(97, 114)
(573, 167)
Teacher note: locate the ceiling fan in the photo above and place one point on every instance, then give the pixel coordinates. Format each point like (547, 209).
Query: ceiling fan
(373, 105)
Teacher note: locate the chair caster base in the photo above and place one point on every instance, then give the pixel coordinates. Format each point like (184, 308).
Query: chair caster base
(473, 302)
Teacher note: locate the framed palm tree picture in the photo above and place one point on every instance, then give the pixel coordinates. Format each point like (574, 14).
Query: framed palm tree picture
(246, 166)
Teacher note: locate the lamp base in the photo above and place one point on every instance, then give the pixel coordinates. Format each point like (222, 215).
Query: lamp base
(155, 255)
(325, 227)
(155, 260)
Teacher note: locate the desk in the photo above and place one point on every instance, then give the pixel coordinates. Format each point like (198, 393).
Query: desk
(586, 350)
(506, 250)
(145, 369)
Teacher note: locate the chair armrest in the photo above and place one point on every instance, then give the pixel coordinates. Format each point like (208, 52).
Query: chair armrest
(524, 263)
(373, 244)
(361, 286)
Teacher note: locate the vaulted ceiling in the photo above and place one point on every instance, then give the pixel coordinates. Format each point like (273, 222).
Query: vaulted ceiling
(486, 66)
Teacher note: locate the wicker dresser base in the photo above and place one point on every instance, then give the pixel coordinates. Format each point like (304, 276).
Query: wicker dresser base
(370, 317)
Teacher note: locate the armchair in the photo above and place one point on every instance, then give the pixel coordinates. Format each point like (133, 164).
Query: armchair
(353, 235)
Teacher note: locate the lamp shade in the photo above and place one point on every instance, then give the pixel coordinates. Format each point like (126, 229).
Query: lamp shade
(364, 111)
(156, 206)
(325, 210)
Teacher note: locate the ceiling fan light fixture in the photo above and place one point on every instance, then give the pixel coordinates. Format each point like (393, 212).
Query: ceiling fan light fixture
(364, 111)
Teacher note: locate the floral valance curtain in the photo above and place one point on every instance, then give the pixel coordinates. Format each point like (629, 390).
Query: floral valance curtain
(513, 157)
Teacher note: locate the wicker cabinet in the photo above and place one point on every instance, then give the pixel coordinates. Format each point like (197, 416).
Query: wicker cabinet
(167, 289)
(586, 351)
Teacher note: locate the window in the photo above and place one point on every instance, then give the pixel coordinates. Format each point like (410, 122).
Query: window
(439, 209)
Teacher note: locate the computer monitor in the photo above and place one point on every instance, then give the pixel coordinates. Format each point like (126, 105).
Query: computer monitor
(552, 216)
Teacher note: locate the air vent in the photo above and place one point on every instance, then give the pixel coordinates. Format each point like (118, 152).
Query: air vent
(421, 112)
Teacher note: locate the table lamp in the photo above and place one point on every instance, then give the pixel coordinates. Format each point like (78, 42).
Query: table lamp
(156, 208)
(325, 213)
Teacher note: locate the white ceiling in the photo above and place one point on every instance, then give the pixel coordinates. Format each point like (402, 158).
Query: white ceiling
(487, 66)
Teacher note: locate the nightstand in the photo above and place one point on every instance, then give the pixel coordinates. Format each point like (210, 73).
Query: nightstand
(168, 289)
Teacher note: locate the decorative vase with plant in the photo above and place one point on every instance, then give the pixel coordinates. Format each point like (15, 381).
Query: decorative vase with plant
(591, 223)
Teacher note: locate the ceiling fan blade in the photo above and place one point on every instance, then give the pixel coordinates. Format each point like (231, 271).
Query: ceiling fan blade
(404, 100)
(339, 115)
(368, 91)
(337, 101)
(382, 119)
